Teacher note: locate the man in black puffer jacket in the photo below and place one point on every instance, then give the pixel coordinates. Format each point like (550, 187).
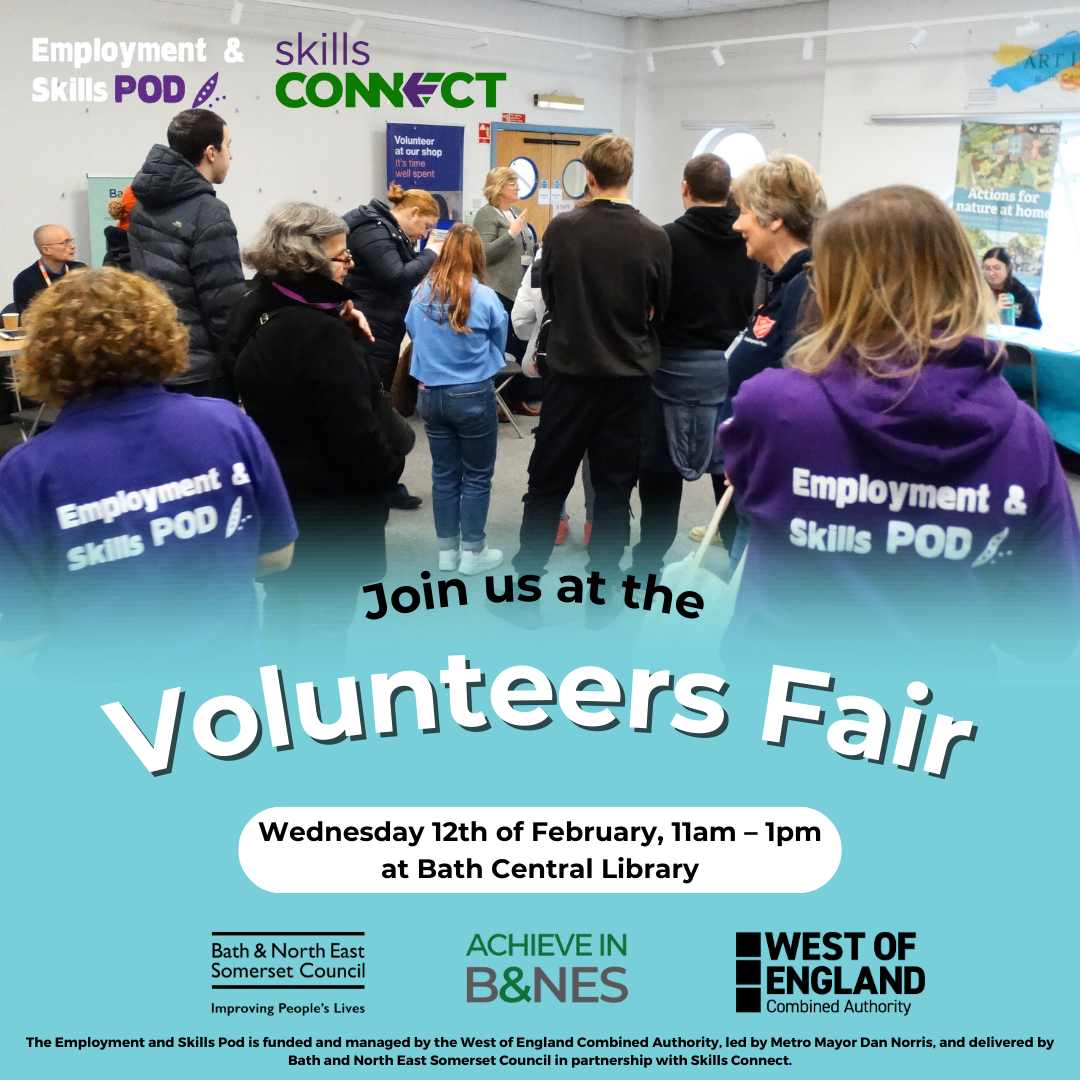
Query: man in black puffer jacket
(181, 235)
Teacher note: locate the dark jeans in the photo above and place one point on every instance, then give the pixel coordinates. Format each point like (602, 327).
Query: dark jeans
(602, 416)
(463, 435)
(694, 375)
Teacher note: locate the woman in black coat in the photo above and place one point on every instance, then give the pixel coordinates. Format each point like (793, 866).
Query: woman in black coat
(303, 377)
(387, 267)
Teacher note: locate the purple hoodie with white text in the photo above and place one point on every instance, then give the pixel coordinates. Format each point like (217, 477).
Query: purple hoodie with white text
(923, 513)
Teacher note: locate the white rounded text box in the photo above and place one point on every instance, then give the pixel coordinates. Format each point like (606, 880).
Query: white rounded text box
(440, 849)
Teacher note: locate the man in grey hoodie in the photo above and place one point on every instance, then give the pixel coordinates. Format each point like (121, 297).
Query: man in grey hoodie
(182, 235)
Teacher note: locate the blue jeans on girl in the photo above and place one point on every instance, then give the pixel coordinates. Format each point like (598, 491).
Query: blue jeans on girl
(463, 431)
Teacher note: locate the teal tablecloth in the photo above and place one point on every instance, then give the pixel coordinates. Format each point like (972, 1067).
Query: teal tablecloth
(1057, 364)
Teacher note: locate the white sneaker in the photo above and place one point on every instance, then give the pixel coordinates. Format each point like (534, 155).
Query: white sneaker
(479, 562)
(448, 559)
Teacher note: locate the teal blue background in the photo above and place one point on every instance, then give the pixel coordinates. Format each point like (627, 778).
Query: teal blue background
(117, 878)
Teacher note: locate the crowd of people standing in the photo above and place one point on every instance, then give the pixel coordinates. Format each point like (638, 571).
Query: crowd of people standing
(850, 373)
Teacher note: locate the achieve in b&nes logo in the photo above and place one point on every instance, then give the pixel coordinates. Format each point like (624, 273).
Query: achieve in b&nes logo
(869, 974)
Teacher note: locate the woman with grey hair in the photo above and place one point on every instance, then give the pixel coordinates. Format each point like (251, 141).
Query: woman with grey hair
(302, 373)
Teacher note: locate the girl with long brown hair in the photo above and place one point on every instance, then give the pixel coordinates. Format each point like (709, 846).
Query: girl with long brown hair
(898, 491)
(458, 329)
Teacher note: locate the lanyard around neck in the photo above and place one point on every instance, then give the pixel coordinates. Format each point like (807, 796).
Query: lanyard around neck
(300, 300)
(45, 273)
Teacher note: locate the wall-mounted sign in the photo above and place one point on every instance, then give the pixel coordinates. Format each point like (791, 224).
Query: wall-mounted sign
(428, 156)
(485, 133)
(1004, 173)
(513, 118)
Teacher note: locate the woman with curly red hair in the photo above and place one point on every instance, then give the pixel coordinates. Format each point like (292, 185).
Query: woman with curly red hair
(132, 529)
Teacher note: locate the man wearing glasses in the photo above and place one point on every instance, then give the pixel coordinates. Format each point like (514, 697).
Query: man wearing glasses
(57, 250)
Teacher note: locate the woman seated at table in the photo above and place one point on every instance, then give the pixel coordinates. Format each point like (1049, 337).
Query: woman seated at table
(997, 269)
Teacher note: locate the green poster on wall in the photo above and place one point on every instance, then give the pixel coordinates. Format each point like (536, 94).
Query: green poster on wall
(1004, 175)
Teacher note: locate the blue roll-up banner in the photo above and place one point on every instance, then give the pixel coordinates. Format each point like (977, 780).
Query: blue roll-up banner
(428, 156)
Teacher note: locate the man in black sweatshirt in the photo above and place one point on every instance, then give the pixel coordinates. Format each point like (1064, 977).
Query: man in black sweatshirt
(712, 293)
(605, 277)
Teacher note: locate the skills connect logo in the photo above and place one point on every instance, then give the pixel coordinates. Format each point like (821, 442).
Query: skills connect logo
(867, 966)
(327, 88)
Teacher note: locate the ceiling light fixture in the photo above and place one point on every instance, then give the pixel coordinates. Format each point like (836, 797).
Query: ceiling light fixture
(237, 11)
(650, 63)
(918, 38)
(480, 43)
(357, 26)
(558, 101)
(586, 55)
(718, 56)
(1028, 29)
(808, 49)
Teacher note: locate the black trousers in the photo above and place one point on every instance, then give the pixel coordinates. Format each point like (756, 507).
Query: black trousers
(604, 417)
(661, 499)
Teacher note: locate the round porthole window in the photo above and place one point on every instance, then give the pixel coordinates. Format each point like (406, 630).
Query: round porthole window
(738, 148)
(573, 179)
(528, 176)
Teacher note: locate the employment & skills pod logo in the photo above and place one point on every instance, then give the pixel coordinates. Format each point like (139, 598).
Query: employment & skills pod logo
(175, 68)
(321, 74)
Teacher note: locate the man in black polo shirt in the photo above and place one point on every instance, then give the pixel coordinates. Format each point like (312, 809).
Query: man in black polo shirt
(605, 278)
(57, 257)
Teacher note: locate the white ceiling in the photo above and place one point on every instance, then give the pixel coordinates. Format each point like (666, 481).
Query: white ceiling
(667, 9)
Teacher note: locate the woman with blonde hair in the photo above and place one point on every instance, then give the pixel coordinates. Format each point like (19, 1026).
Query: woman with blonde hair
(779, 200)
(458, 328)
(890, 474)
(132, 529)
(509, 249)
(382, 239)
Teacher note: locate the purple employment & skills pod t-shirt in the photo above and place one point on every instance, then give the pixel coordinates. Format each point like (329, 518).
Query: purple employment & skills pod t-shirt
(129, 531)
(919, 512)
